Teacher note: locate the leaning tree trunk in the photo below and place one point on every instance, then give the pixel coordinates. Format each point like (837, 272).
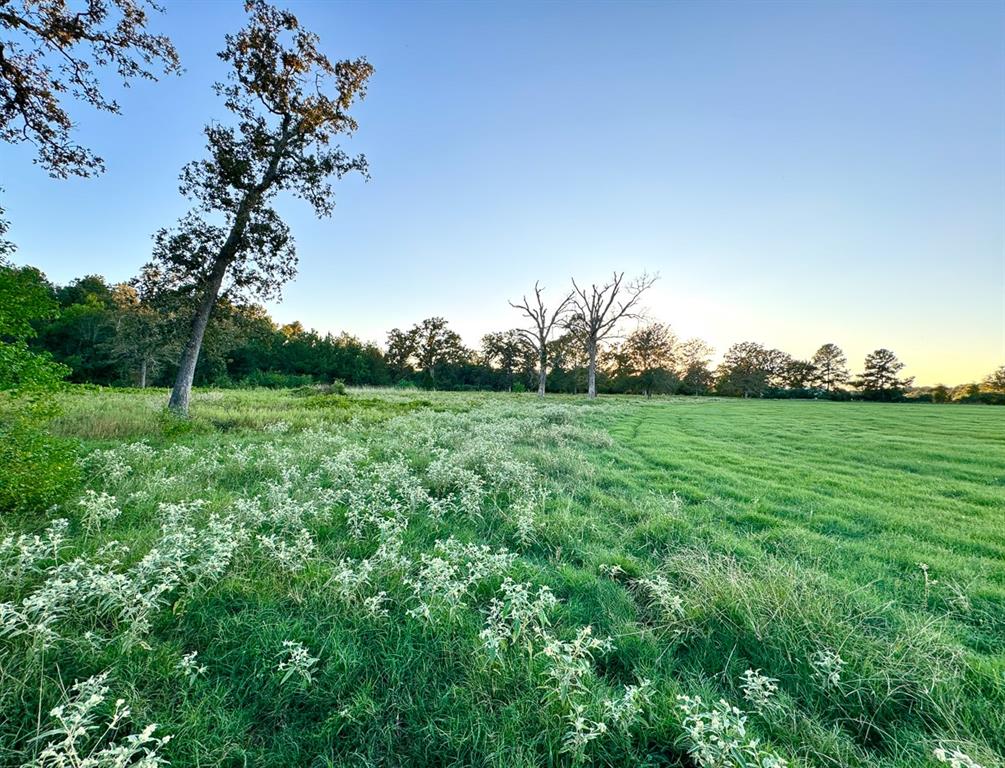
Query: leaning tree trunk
(143, 373)
(182, 391)
(591, 388)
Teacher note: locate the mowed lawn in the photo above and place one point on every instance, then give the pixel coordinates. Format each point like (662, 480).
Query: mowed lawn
(878, 529)
(864, 492)
(853, 553)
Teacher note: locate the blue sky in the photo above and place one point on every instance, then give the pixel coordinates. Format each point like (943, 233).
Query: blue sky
(797, 172)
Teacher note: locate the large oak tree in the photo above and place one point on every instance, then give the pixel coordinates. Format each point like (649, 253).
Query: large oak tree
(427, 346)
(290, 103)
(749, 370)
(693, 358)
(509, 353)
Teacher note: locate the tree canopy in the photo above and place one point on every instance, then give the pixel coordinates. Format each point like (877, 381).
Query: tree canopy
(49, 51)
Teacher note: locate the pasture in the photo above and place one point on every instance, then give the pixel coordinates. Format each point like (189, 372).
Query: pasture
(422, 579)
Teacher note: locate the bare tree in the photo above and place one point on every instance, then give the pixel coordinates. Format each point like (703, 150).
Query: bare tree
(544, 323)
(598, 309)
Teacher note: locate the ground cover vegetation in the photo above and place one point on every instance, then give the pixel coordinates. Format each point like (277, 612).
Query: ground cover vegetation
(298, 578)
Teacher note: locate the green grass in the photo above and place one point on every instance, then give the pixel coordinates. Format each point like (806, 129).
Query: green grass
(784, 528)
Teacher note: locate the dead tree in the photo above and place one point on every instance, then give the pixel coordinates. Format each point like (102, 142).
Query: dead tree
(598, 310)
(544, 323)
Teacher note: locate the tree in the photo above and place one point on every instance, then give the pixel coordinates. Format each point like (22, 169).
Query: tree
(79, 334)
(747, 369)
(650, 351)
(290, 104)
(142, 338)
(6, 246)
(831, 367)
(47, 49)
(426, 346)
(967, 393)
(434, 345)
(995, 381)
(941, 394)
(25, 298)
(879, 380)
(400, 348)
(37, 469)
(544, 323)
(799, 374)
(692, 360)
(777, 364)
(509, 352)
(598, 309)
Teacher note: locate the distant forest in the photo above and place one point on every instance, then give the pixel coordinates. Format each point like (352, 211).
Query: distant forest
(123, 335)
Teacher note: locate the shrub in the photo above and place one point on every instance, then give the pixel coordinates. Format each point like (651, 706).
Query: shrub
(276, 380)
(39, 470)
(337, 387)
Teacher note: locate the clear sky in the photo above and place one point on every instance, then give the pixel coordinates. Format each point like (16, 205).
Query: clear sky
(797, 172)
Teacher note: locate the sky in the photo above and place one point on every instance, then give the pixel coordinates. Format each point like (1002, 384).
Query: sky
(796, 172)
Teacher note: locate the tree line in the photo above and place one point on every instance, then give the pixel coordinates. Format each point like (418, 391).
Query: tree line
(129, 334)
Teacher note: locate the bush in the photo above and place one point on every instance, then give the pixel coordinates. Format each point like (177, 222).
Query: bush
(275, 380)
(337, 387)
(36, 469)
(39, 470)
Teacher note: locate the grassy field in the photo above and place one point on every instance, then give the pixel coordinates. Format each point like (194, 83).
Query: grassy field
(431, 579)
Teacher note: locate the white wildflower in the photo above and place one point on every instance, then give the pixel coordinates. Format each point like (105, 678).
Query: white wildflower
(292, 555)
(717, 736)
(517, 616)
(955, 758)
(190, 667)
(611, 570)
(626, 710)
(297, 662)
(758, 689)
(98, 509)
(827, 666)
(571, 662)
(71, 743)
